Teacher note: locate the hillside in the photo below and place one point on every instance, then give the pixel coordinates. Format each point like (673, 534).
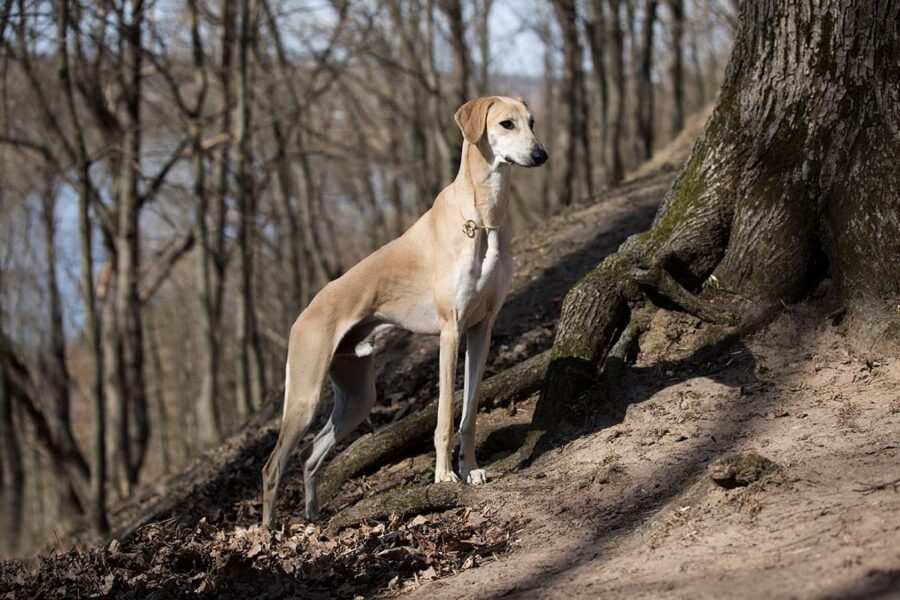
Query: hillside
(627, 509)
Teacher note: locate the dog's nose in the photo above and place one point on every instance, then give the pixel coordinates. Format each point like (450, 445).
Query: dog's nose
(538, 156)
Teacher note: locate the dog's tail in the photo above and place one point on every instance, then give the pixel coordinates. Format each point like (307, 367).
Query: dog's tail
(311, 346)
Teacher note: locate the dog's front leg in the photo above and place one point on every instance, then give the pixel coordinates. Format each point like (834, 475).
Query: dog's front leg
(443, 434)
(478, 340)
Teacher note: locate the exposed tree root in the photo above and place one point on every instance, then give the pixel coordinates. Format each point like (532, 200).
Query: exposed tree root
(661, 288)
(373, 450)
(403, 502)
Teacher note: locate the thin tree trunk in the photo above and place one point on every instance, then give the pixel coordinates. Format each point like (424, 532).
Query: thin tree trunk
(285, 191)
(699, 75)
(453, 10)
(12, 475)
(549, 97)
(574, 98)
(159, 394)
(57, 373)
(595, 28)
(127, 300)
(97, 511)
(677, 8)
(207, 407)
(616, 107)
(117, 443)
(644, 94)
(482, 27)
(249, 359)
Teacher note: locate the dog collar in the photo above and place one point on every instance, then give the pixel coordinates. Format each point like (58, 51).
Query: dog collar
(470, 227)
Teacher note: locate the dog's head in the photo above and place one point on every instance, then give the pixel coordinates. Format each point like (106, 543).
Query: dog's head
(506, 125)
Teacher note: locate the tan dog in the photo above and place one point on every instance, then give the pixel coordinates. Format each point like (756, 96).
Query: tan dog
(448, 274)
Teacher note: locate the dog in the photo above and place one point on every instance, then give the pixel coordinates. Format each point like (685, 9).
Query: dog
(448, 274)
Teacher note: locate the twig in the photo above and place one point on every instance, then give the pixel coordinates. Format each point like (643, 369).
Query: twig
(869, 488)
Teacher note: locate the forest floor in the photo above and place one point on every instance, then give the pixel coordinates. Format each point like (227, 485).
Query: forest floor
(626, 508)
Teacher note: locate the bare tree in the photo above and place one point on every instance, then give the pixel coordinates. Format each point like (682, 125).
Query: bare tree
(676, 7)
(575, 100)
(596, 30)
(644, 92)
(250, 370)
(616, 106)
(483, 35)
(11, 472)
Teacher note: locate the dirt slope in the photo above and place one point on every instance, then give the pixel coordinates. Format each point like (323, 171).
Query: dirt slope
(629, 510)
(626, 509)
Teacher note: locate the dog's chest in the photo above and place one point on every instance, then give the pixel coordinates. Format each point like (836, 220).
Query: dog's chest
(485, 269)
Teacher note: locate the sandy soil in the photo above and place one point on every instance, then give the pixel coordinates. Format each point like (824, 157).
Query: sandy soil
(629, 510)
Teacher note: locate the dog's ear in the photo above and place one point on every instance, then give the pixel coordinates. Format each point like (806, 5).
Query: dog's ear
(472, 118)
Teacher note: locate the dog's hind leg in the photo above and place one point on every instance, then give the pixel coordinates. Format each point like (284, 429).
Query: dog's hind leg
(353, 380)
(306, 368)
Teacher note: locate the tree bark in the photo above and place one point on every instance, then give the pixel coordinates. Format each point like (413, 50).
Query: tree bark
(127, 246)
(56, 371)
(575, 99)
(482, 27)
(789, 182)
(645, 83)
(453, 10)
(250, 372)
(677, 9)
(616, 107)
(12, 475)
(550, 117)
(595, 28)
(207, 406)
(92, 329)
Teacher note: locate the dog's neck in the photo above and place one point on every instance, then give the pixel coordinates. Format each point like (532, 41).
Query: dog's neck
(483, 182)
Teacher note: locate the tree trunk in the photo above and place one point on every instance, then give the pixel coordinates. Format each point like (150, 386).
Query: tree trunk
(207, 407)
(12, 475)
(677, 9)
(249, 360)
(117, 447)
(595, 28)
(127, 242)
(645, 82)
(794, 178)
(92, 333)
(574, 98)
(616, 107)
(453, 11)
(550, 117)
(482, 28)
(57, 373)
(159, 402)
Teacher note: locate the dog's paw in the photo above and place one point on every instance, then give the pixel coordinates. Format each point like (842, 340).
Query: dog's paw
(446, 477)
(476, 477)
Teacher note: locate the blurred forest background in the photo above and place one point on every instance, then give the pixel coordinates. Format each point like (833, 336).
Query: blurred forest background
(179, 177)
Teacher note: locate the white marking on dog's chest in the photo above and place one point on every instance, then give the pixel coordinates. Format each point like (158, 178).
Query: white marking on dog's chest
(478, 271)
(482, 268)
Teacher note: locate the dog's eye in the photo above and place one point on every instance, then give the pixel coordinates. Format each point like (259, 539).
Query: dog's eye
(531, 124)
(507, 124)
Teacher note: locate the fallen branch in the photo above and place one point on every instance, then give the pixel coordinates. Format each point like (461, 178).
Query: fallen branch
(403, 502)
(870, 488)
(373, 450)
